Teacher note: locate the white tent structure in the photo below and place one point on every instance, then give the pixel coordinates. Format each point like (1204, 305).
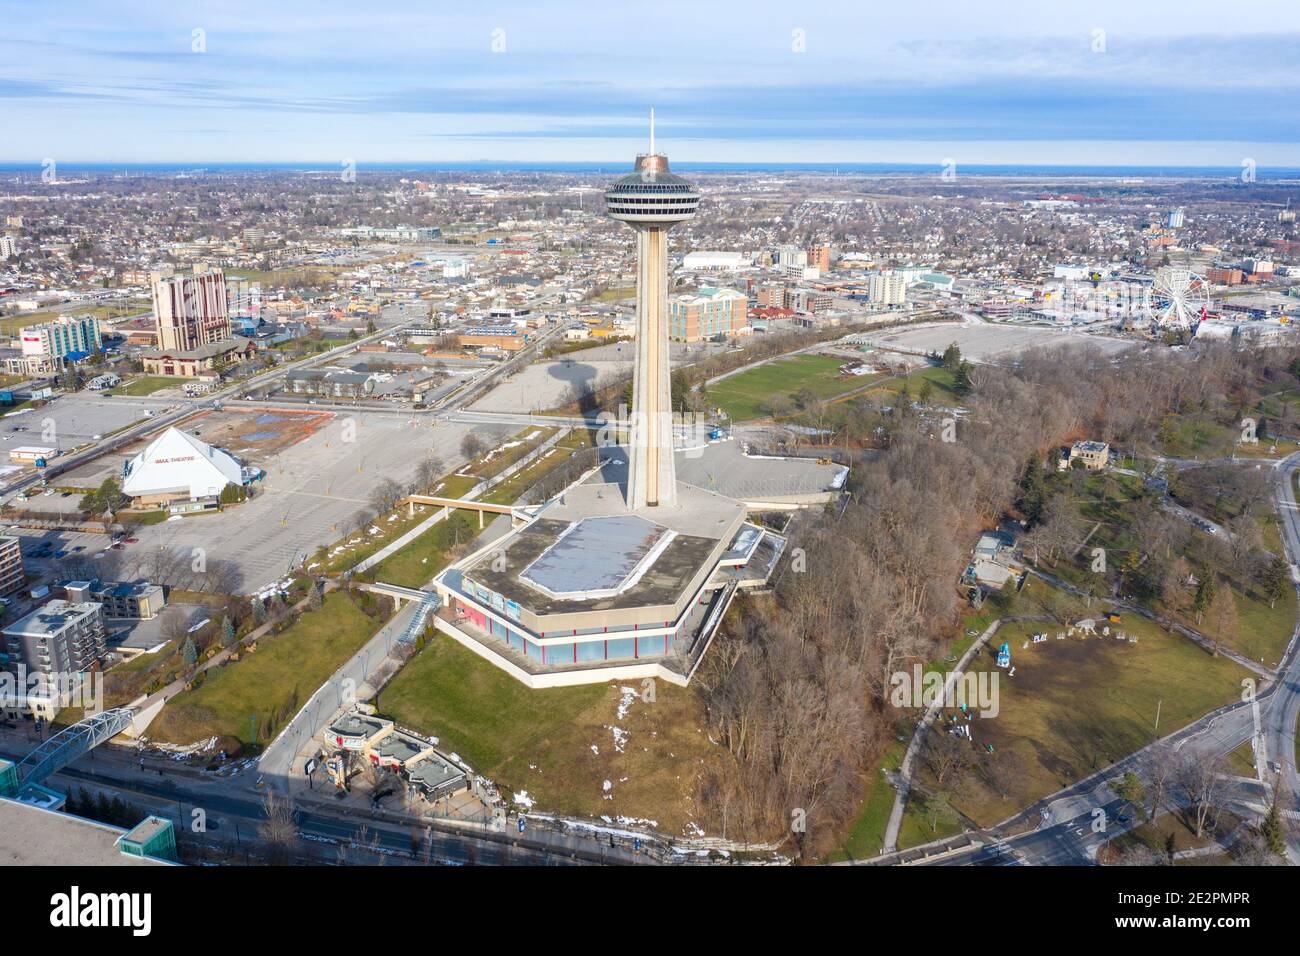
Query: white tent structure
(177, 465)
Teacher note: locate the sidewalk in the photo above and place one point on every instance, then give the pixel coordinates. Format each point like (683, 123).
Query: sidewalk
(918, 735)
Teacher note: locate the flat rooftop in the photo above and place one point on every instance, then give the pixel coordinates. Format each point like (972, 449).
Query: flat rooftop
(37, 837)
(601, 555)
(399, 746)
(432, 772)
(353, 724)
(655, 553)
(51, 618)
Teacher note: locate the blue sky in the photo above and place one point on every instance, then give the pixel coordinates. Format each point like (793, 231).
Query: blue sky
(990, 81)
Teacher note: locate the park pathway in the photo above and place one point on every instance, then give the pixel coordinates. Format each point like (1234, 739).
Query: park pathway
(918, 737)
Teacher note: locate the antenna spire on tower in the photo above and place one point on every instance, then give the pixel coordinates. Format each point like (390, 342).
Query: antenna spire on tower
(652, 131)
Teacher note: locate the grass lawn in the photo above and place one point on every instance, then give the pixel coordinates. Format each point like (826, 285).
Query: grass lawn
(1269, 533)
(391, 526)
(941, 381)
(746, 395)
(498, 459)
(271, 683)
(128, 680)
(1077, 705)
(510, 490)
(415, 564)
(613, 295)
(918, 826)
(1242, 760)
(1108, 505)
(145, 385)
(1159, 834)
(558, 744)
(11, 324)
(144, 517)
(866, 837)
(1264, 631)
(1192, 437)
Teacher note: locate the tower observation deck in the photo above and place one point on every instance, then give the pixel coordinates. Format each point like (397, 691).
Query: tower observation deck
(651, 200)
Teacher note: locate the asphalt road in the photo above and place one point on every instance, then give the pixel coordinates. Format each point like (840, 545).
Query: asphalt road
(234, 813)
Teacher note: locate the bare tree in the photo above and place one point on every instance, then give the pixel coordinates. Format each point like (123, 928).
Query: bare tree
(1202, 780)
(278, 829)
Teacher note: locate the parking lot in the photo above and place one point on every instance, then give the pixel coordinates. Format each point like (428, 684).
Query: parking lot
(990, 343)
(546, 384)
(310, 496)
(72, 420)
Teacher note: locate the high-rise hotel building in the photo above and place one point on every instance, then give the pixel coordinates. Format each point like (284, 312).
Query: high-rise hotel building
(191, 310)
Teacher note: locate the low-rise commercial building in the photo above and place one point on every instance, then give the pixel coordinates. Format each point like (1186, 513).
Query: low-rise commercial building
(179, 467)
(330, 383)
(507, 338)
(192, 363)
(376, 740)
(31, 454)
(121, 600)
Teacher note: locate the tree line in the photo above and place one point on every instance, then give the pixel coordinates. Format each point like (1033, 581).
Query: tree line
(796, 684)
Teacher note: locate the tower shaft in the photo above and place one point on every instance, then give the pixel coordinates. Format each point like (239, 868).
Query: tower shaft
(651, 200)
(652, 478)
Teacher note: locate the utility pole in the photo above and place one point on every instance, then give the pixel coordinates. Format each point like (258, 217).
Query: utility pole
(1156, 729)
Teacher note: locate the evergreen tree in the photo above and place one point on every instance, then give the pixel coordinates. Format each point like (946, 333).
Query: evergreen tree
(1033, 491)
(189, 653)
(963, 383)
(1205, 591)
(1272, 832)
(227, 632)
(1274, 578)
(1131, 790)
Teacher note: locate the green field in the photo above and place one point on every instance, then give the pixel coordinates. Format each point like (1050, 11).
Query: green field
(541, 740)
(866, 837)
(748, 394)
(613, 295)
(11, 324)
(145, 385)
(1077, 705)
(415, 564)
(271, 684)
(941, 381)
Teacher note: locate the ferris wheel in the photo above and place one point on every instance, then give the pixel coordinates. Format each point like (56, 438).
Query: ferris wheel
(1179, 297)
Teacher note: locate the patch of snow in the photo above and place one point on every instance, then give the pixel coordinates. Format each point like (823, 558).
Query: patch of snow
(626, 695)
(620, 738)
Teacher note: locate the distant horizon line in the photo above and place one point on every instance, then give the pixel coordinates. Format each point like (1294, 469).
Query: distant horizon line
(491, 165)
